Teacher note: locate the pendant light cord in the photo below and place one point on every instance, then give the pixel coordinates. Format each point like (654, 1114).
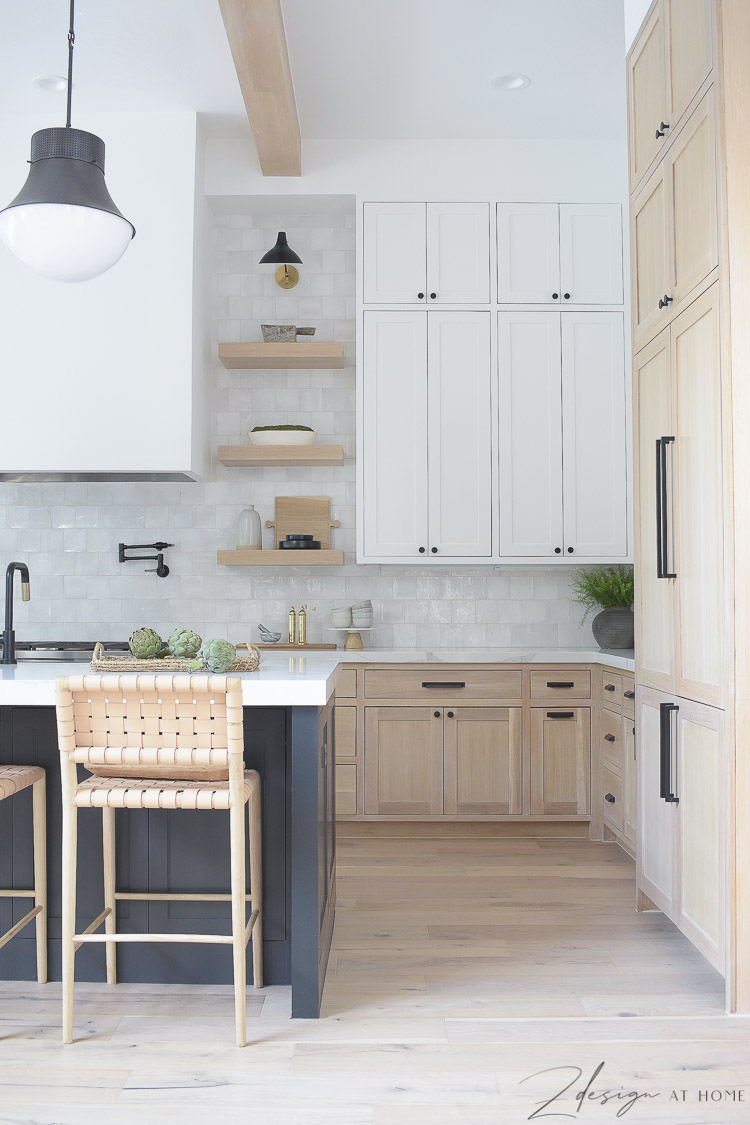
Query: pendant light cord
(71, 44)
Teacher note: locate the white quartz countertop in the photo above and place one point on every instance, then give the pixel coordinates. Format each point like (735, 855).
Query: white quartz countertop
(288, 679)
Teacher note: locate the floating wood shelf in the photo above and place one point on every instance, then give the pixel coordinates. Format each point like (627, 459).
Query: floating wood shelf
(280, 558)
(281, 357)
(242, 456)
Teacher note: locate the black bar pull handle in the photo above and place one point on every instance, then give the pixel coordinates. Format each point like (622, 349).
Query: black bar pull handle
(561, 714)
(664, 511)
(629, 694)
(665, 752)
(609, 687)
(560, 683)
(450, 684)
(659, 525)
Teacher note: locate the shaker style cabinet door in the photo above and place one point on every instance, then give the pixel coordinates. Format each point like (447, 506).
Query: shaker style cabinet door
(394, 253)
(647, 107)
(650, 255)
(594, 437)
(591, 253)
(530, 390)
(482, 760)
(658, 819)
(688, 42)
(458, 253)
(693, 223)
(561, 761)
(459, 434)
(404, 761)
(654, 508)
(528, 253)
(394, 457)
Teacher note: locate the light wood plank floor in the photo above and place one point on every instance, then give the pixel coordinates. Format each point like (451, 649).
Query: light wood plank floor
(459, 970)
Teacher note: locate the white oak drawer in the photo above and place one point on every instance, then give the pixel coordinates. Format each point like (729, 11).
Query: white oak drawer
(612, 798)
(611, 744)
(346, 684)
(628, 696)
(560, 684)
(611, 689)
(434, 684)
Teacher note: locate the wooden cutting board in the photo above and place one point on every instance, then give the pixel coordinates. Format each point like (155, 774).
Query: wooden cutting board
(303, 515)
(289, 648)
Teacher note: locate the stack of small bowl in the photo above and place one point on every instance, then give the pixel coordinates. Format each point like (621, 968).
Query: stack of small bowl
(362, 614)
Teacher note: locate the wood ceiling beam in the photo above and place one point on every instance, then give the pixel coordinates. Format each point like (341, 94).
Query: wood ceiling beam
(255, 30)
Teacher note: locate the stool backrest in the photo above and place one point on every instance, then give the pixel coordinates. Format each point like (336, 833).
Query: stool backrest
(151, 726)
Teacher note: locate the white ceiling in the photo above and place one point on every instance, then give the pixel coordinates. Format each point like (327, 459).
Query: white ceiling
(363, 69)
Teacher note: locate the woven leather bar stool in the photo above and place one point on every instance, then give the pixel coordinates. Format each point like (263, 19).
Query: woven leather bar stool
(158, 742)
(14, 779)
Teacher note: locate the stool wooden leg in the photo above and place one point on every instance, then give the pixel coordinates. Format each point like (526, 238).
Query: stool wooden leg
(110, 924)
(40, 875)
(237, 845)
(69, 853)
(256, 884)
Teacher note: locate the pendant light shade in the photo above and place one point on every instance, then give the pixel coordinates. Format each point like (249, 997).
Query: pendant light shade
(63, 223)
(281, 254)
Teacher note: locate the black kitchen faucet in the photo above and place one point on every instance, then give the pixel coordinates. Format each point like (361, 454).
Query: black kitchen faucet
(9, 637)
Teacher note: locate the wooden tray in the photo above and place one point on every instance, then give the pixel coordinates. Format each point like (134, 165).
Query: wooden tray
(303, 515)
(102, 661)
(290, 648)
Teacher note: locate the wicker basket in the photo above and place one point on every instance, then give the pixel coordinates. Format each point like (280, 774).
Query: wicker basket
(102, 661)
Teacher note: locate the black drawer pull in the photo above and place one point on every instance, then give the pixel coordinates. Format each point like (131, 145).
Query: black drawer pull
(610, 798)
(561, 714)
(443, 684)
(609, 687)
(610, 738)
(629, 694)
(561, 683)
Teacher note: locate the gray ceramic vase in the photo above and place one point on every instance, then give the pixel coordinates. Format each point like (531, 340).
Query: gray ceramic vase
(614, 628)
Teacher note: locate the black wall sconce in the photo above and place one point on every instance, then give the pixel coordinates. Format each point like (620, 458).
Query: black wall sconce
(286, 275)
(161, 569)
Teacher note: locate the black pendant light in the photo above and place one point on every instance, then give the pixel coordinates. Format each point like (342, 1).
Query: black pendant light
(63, 224)
(281, 254)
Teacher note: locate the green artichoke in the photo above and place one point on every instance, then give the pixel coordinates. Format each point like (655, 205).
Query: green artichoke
(145, 644)
(217, 655)
(183, 643)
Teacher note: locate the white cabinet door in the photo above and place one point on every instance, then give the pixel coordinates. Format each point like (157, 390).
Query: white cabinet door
(530, 388)
(458, 253)
(528, 252)
(459, 433)
(395, 255)
(591, 253)
(395, 434)
(657, 818)
(594, 435)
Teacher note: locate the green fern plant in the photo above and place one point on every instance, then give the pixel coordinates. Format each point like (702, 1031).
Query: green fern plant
(604, 587)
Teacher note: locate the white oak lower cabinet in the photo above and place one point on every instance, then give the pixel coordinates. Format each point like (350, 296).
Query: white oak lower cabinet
(560, 760)
(404, 760)
(683, 813)
(482, 760)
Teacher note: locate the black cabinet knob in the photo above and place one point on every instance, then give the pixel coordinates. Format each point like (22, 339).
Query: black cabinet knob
(422, 550)
(570, 550)
(665, 301)
(450, 715)
(610, 738)
(609, 687)
(421, 296)
(433, 296)
(436, 714)
(555, 296)
(558, 550)
(609, 797)
(434, 550)
(566, 296)
(663, 126)
(629, 694)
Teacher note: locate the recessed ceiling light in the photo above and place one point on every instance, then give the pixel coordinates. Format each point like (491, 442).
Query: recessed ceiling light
(53, 82)
(510, 82)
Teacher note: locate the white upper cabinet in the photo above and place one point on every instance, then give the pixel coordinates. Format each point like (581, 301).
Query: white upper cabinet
(395, 255)
(395, 434)
(459, 433)
(594, 440)
(530, 367)
(458, 253)
(426, 253)
(528, 252)
(568, 253)
(591, 253)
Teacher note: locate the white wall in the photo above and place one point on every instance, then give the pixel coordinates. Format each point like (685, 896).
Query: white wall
(98, 374)
(635, 11)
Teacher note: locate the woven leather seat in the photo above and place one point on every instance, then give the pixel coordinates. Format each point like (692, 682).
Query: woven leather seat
(15, 778)
(127, 793)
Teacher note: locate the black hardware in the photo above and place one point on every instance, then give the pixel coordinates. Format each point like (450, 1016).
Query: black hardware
(561, 683)
(434, 550)
(561, 715)
(629, 695)
(443, 684)
(421, 296)
(437, 714)
(665, 301)
(450, 715)
(609, 687)
(558, 550)
(610, 798)
(566, 296)
(9, 636)
(662, 514)
(610, 738)
(433, 296)
(570, 550)
(555, 296)
(665, 752)
(422, 550)
(161, 569)
(663, 126)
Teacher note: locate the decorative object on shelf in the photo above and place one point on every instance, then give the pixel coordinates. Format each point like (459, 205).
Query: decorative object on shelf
(341, 618)
(249, 531)
(102, 661)
(161, 570)
(302, 623)
(282, 253)
(299, 543)
(63, 224)
(303, 515)
(267, 636)
(145, 644)
(362, 614)
(353, 641)
(612, 588)
(217, 655)
(283, 333)
(184, 643)
(282, 435)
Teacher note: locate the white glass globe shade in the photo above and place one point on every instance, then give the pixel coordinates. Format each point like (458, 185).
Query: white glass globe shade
(63, 241)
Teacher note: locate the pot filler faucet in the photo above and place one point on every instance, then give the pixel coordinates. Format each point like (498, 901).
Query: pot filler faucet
(9, 637)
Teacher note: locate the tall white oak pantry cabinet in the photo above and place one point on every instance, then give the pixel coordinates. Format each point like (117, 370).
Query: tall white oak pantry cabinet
(689, 92)
(492, 400)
